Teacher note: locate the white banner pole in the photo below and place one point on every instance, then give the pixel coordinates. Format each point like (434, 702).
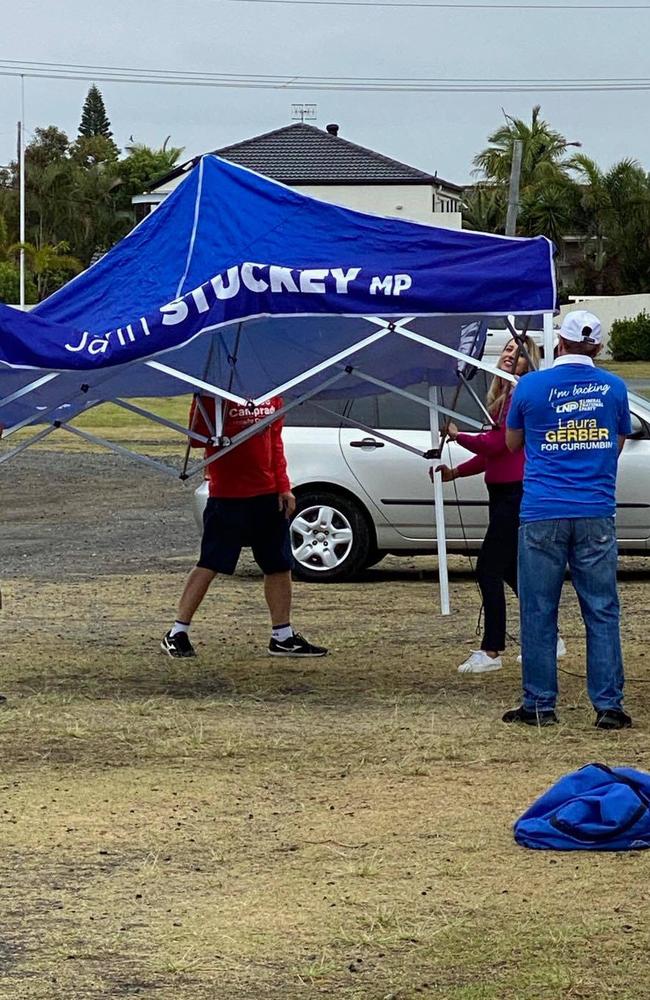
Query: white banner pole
(439, 509)
(549, 338)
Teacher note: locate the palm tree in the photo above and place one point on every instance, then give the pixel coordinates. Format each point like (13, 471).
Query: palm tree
(50, 264)
(98, 220)
(612, 211)
(543, 151)
(484, 208)
(547, 209)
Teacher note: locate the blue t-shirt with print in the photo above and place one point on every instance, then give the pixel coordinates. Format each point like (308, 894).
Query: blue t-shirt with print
(571, 416)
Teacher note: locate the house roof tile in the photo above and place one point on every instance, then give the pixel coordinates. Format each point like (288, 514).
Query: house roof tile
(303, 154)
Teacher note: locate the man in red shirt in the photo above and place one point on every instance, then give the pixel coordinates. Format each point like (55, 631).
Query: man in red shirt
(250, 504)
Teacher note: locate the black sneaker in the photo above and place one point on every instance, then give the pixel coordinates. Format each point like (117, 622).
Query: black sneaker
(295, 645)
(531, 718)
(612, 718)
(178, 645)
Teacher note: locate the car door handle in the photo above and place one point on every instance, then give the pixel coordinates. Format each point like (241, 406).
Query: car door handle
(367, 443)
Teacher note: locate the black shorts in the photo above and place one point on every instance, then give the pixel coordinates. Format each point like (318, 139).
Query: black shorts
(229, 525)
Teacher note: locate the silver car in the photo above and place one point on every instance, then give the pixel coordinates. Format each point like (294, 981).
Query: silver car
(360, 498)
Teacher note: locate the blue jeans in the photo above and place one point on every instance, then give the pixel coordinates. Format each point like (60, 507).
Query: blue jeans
(588, 546)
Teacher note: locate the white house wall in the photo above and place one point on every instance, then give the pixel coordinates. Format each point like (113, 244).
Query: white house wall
(403, 201)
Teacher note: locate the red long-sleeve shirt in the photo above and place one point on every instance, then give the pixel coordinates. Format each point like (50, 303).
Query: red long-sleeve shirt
(492, 456)
(255, 467)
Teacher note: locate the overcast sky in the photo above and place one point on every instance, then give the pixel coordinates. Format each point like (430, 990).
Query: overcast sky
(432, 131)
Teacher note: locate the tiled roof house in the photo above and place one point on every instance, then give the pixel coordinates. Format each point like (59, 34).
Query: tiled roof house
(321, 163)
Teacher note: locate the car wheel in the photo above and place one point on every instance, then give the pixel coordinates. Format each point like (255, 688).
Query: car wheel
(330, 537)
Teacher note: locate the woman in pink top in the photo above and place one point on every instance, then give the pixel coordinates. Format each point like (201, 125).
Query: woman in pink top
(504, 472)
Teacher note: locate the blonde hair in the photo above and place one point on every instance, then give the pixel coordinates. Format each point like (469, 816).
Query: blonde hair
(501, 389)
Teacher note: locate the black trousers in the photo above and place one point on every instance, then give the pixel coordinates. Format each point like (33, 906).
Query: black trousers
(497, 561)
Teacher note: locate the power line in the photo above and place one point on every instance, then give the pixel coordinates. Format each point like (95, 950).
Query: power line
(453, 6)
(193, 78)
(21, 67)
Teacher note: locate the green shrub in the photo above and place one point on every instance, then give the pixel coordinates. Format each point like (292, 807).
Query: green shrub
(10, 285)
(629, 339)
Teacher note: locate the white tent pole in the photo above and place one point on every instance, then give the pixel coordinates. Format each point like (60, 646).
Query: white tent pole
(479, 402)
(439, 508)
(417, 399)
(118, 449)
(324, 365)
(28, 388)
(371, 430)
(261, 424)
(465, 358)
(149, 415)
(549, 346)
(198, 383)
(5, 456)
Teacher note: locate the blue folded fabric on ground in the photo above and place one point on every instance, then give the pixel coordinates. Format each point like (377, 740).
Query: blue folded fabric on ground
(597, 808)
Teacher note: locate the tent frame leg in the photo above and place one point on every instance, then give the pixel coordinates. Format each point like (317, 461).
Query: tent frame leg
(5, 456)
(439, 509)
(262, 424)
(477, 399)
(155, 418)
(29, 388)
(117, 448)
(436, 407)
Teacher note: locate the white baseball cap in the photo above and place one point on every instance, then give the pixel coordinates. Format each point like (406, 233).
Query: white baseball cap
(581, 327)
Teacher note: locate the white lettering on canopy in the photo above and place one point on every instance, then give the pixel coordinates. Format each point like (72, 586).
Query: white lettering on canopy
(282, 279)
(250, 281)
(231, 289)
(313, 280)
(343, 279)
(174, 312)
(253, 277)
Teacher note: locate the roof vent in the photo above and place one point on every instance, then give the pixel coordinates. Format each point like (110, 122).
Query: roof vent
(332, 129)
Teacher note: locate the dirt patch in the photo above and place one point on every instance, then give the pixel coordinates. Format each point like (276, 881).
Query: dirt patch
(241, 828)
(85, 515)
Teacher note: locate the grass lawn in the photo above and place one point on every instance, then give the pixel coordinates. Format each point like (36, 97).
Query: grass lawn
(628, 369)
(237, 827)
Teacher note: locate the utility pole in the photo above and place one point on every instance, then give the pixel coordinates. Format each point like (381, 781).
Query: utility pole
(513, 191)
(21, 168)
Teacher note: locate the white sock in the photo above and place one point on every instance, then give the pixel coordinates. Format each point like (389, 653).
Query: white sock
(282, 632)
(179, 627)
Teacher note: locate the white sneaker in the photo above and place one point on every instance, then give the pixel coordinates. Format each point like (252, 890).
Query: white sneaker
(561, 649)
(480, 663)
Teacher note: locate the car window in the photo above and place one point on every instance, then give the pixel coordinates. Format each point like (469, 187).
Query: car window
(365, 410)
(390, 411)
(310, 415)
(397, 413)
(401, 414)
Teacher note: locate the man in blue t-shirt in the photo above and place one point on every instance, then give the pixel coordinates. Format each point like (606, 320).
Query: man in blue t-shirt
(572, 420)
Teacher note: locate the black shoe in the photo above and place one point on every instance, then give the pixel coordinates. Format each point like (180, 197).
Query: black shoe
(178, 645)
(612, 718)
(2, 699)
(295, 645)
(531, 718)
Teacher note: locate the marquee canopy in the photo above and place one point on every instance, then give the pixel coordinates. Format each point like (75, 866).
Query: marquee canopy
(242, 288)
(228, 245)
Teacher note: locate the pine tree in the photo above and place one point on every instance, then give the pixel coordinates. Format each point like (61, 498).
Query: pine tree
(94, 120)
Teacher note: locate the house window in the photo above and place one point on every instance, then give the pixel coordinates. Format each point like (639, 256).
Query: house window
(445, 203)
